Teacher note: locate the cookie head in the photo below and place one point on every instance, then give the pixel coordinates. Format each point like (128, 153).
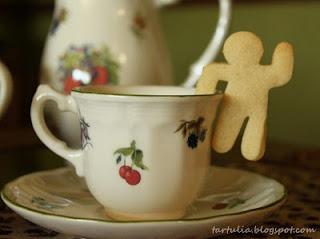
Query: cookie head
(243, 48)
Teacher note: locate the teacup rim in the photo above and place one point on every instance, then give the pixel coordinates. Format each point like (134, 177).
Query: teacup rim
(80, 90)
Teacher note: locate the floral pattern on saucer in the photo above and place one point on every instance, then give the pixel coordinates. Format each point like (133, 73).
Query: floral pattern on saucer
(300, 210)
(231, 203)
(63, 187)
(42, 203)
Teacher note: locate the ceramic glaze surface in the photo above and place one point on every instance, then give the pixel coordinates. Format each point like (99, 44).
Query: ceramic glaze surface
(129, 29)
(101, 42)
(5, 88)
(59, 201)
(86, 36)
(175, 172)
(130, 133)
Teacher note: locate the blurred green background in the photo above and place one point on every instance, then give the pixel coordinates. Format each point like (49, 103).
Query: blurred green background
(294, 111)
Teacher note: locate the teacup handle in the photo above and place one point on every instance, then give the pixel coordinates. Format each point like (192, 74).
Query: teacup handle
(5, 88)
(65, 103)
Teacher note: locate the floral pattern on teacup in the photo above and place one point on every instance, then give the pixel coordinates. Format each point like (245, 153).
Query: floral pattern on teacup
(194, 131)
(85, 138)
(128, 173)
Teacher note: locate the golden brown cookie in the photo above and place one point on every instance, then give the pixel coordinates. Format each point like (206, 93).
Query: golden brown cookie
(246, 95)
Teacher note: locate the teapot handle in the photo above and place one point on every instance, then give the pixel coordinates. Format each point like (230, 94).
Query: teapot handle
(212, 51)
(5, 88)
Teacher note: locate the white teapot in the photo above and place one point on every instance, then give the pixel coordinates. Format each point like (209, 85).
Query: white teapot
(118, 42)
(114, 42)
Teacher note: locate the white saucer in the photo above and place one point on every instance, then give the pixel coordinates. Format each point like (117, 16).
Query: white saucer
(57, 200)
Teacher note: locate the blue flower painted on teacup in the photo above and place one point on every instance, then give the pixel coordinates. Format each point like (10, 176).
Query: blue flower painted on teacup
(194, 131)
(57, 20)
(85, 138)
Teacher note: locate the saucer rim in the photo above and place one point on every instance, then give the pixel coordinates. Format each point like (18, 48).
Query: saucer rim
(6, 199)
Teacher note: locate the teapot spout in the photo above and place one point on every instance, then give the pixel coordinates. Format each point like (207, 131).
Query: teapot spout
(5, 88)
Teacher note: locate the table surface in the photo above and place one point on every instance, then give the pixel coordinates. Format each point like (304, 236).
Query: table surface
(298, 169)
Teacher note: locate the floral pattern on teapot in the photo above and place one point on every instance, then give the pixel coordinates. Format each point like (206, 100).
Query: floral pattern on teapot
(228, 204)
(58, 20)
(139, 25)
(42, 203)
(86, 65)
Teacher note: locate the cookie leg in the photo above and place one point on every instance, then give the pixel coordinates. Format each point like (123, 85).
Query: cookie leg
(254, 138)
(227, 129)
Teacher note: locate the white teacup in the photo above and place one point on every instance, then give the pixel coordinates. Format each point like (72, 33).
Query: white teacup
(145, 149)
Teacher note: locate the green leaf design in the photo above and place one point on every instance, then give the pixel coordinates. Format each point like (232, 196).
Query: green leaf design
(137, 157)
(192, 124)
(180, 127)
(43, 204)
(184, 132)
(72, 60)
(133, 144)
(119, 159)
(124, 151)
(104, 58)
(86, 57)
(137, 32)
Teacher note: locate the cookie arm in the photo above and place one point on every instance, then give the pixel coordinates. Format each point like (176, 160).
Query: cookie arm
(210, 77)
(282, 64)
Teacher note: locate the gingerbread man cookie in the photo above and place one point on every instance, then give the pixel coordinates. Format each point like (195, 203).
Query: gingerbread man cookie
(246, 95)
